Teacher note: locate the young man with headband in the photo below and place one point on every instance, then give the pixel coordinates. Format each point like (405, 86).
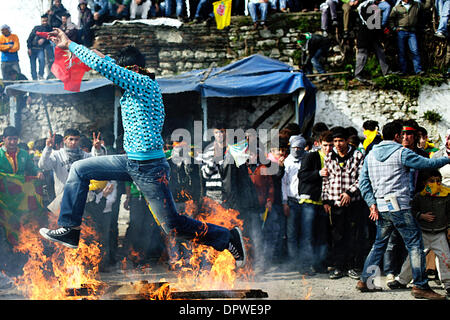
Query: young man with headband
(144, 162)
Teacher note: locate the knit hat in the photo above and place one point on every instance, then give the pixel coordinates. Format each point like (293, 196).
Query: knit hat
(297, 141)
(82, 2)
(5, 26)
(339, 132)
(10, 132)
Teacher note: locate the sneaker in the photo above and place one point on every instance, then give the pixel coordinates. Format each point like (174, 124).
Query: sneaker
(431, 274)
(362, 80)
(393, 285)
(440, 35)
(336, 274)
(236, 247)
(428, 293)
(65, 235)
(362, 286)
(334, 23)
(389, 278)
(352, 273)
(324, 33)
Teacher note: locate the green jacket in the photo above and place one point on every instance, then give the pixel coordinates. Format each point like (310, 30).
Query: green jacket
(25, 164)
(406, 20)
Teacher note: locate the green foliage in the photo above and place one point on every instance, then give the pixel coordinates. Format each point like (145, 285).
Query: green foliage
(409, 86)
(432, 116)
(373, 67)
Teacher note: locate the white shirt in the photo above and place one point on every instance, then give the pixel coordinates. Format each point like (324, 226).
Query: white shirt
(141, 10)
(289, 182)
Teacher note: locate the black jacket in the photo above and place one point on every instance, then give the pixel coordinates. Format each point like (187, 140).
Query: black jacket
(33, 38)
(309, 179)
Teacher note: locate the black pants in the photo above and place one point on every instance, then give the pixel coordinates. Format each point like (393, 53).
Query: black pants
(348, 235)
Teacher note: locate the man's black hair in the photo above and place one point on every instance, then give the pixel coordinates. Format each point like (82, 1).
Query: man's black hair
(423, 131)
(23, 146)
(71, 132)
(39, 144)
(371, 125)
(58, 138)
(294, 128)
(130, 56)
(10, 132)
(351, 131)
(391, 129)
(317, 130)
(45, 15)
(85, 143)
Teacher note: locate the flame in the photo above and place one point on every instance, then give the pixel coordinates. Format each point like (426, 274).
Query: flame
(206, 267)
(50, 271)
(308, 289)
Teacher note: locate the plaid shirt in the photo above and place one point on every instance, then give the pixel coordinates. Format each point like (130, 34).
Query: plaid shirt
(342, 177)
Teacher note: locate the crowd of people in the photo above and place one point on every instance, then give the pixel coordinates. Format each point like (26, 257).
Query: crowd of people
(327, 208)
(370, 22)
(373, 23)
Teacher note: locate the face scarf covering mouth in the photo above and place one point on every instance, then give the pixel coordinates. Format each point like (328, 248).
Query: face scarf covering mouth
(435, 189)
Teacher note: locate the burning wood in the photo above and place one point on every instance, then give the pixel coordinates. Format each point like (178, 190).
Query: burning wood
(219, 294)
(144, 290)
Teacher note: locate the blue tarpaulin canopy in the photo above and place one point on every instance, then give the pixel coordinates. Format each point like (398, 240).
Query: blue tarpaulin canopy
(255, 75)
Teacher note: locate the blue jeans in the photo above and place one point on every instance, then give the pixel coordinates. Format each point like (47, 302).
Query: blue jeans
(262, 7)
(272, 238)
(178, 8)
(394, 255)
(406, 37)
(38, 54)
(273, 4)
(409, 229)
(293, 231)
(113, 11)
(152, 180)
(204, 9)
(443, 10)
(313, 230)
(315, 59)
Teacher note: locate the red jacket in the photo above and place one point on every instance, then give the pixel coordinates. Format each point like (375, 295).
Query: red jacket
(263, 183)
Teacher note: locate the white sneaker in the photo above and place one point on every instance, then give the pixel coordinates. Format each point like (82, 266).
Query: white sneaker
(390, 278)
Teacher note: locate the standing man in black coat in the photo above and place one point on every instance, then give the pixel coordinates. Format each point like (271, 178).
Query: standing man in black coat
(38, 47)
(314, 224)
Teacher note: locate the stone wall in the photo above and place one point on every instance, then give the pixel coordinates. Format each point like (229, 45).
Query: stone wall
(353, 107)
(171, 50)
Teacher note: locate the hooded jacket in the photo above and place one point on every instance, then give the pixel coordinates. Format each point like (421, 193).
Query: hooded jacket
(386, 171)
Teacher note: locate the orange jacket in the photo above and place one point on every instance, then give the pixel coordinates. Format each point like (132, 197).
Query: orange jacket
(9, 53)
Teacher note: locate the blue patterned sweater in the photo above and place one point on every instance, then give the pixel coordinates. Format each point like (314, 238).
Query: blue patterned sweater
(141, 105)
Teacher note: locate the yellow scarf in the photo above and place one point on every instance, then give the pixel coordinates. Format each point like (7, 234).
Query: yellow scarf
(370, 135)
(435, 190)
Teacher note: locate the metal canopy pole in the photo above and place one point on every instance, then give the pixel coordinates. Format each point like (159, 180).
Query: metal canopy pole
(298, 98)
(205, 118)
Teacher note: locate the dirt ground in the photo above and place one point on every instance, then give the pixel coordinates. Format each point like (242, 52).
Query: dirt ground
(278, 284)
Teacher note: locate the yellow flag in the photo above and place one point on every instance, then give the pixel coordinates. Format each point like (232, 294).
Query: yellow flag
(222, 13)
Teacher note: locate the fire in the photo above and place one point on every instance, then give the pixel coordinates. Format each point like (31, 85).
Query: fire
(208, 268)
(50, 271)
(308, 289)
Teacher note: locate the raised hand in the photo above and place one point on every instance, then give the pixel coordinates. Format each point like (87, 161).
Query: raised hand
(59, 38)
(50, 142)
(96, 142)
